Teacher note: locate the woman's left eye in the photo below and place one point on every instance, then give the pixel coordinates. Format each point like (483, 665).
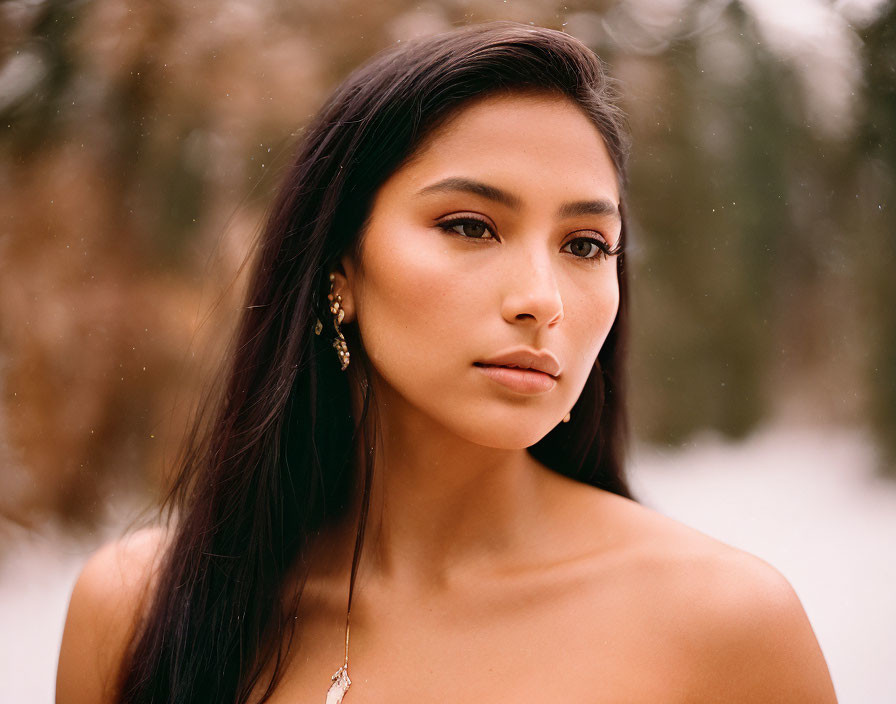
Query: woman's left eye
(476, 229)
(601, 249)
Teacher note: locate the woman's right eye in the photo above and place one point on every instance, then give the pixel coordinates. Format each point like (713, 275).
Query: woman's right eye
(475, 228)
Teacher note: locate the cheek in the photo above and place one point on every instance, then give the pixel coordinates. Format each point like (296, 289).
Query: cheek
(413, 304)
(594, 317)
(609, 301)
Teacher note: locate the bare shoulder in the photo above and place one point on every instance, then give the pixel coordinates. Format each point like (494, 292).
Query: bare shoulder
(106, 602)
(735, 618)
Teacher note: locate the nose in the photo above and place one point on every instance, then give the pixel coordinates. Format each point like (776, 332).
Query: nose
(532, 293)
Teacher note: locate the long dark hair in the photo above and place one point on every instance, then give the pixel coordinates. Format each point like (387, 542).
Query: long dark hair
(274, 456)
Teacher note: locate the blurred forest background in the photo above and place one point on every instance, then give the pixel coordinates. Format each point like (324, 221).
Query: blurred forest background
(141, 142)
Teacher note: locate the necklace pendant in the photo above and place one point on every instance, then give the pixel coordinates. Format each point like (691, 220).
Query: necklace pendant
(339, 687)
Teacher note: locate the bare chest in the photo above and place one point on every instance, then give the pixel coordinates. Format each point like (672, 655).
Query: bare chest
(581, 645)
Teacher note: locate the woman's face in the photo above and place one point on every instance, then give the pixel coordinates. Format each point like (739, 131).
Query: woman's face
(482, 243)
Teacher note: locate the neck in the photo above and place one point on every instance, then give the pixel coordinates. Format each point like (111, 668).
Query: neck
(442, 507)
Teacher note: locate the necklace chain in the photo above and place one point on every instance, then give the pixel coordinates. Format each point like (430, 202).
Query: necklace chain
(340, 681)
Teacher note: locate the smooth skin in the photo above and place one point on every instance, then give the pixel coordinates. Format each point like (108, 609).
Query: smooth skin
(486, 576)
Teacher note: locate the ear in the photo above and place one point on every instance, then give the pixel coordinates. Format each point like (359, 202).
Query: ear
(345, 283)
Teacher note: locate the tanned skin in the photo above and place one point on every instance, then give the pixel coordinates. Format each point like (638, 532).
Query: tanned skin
(486, 576)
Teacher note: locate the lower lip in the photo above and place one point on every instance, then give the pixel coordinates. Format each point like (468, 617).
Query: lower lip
(525, 381)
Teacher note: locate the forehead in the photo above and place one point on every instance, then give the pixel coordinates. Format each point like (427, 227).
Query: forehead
(541, 141)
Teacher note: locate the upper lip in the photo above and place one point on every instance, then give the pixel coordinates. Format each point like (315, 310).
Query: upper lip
(526, 358)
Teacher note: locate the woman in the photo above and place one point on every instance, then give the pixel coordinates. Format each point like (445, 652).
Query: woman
(455, 210)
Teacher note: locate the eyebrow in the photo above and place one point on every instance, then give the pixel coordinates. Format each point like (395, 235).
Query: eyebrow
(566, 210)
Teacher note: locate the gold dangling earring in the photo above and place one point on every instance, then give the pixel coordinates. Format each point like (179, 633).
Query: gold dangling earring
(338, 314)
(566, 418)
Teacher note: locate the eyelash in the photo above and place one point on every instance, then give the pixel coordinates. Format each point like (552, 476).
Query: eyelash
(603, 250)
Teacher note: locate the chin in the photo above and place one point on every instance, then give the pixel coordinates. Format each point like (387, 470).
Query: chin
(509, 435)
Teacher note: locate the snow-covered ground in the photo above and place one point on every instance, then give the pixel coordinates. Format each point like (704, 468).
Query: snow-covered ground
(805, 500)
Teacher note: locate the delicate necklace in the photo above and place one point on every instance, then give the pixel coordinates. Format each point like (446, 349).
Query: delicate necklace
(340, 678)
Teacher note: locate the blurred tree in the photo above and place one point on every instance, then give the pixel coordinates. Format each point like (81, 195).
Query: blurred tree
(876, 182)
(141, 143)
(749, 287)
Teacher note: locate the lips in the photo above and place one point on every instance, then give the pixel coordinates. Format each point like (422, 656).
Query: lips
(525, 381)
(525, 358)
(511, 366)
